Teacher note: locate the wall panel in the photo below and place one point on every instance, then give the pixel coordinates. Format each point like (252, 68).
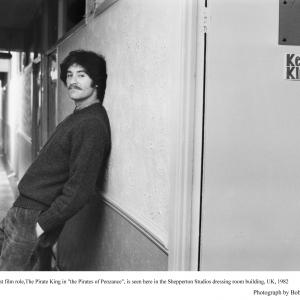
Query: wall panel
(252, 160)
(106, 241)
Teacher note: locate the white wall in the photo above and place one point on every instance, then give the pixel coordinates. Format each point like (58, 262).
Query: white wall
(15, 94)
(141, 43)
(252, 160)
(4, 65)
(17, 121)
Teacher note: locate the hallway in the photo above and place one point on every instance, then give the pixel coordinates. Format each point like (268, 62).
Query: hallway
(6, 193)
(126, 224)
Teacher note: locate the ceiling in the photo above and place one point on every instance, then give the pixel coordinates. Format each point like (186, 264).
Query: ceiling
(15, 16)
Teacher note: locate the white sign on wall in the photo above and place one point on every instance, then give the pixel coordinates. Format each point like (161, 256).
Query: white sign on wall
(292, 66)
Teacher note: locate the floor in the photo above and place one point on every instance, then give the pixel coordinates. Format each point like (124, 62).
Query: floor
(7, 196)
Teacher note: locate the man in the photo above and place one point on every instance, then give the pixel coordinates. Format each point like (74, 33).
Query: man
(68, 170)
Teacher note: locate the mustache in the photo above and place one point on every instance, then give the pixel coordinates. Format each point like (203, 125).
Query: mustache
(74, 86)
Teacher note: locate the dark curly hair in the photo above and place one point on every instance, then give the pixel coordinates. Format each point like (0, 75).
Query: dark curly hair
(94, 65)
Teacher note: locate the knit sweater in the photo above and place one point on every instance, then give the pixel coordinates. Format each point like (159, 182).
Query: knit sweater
(69, 169)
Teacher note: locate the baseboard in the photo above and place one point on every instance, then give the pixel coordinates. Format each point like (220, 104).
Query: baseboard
(137, 225)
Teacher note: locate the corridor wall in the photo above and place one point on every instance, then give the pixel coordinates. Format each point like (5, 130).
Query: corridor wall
(16, 117)
(140, 42)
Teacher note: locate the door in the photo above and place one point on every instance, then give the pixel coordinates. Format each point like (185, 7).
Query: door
(250, 207)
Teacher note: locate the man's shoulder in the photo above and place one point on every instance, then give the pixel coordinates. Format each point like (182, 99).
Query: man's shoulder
(91, 119)
(91, 125)
(95, 119)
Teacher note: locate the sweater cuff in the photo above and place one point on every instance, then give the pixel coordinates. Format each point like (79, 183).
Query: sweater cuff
(47, 222)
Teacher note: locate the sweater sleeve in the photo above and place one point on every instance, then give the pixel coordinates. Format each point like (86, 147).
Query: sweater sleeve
(86, 156)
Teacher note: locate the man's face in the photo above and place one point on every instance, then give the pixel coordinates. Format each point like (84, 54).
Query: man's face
(79, 84)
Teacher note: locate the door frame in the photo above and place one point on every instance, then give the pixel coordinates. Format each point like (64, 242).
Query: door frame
(52, 61)
(36, 95)
(187, 179)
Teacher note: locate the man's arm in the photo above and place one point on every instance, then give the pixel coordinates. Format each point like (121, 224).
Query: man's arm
(88, 142)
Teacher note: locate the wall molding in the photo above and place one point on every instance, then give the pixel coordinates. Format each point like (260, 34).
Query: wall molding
(97, 7)
(185, 199)
(137, 224)
(83, 23)
(77, 28)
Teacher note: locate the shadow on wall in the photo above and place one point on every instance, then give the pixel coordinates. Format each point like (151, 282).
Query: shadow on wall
(79, 240)
(99, 238)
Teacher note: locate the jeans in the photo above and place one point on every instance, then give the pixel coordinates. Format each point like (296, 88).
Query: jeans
(18, 240)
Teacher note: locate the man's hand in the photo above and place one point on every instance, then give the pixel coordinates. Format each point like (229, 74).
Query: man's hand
(39, 230)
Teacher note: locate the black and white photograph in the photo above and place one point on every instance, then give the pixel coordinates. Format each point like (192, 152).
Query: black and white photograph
(154, 138)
